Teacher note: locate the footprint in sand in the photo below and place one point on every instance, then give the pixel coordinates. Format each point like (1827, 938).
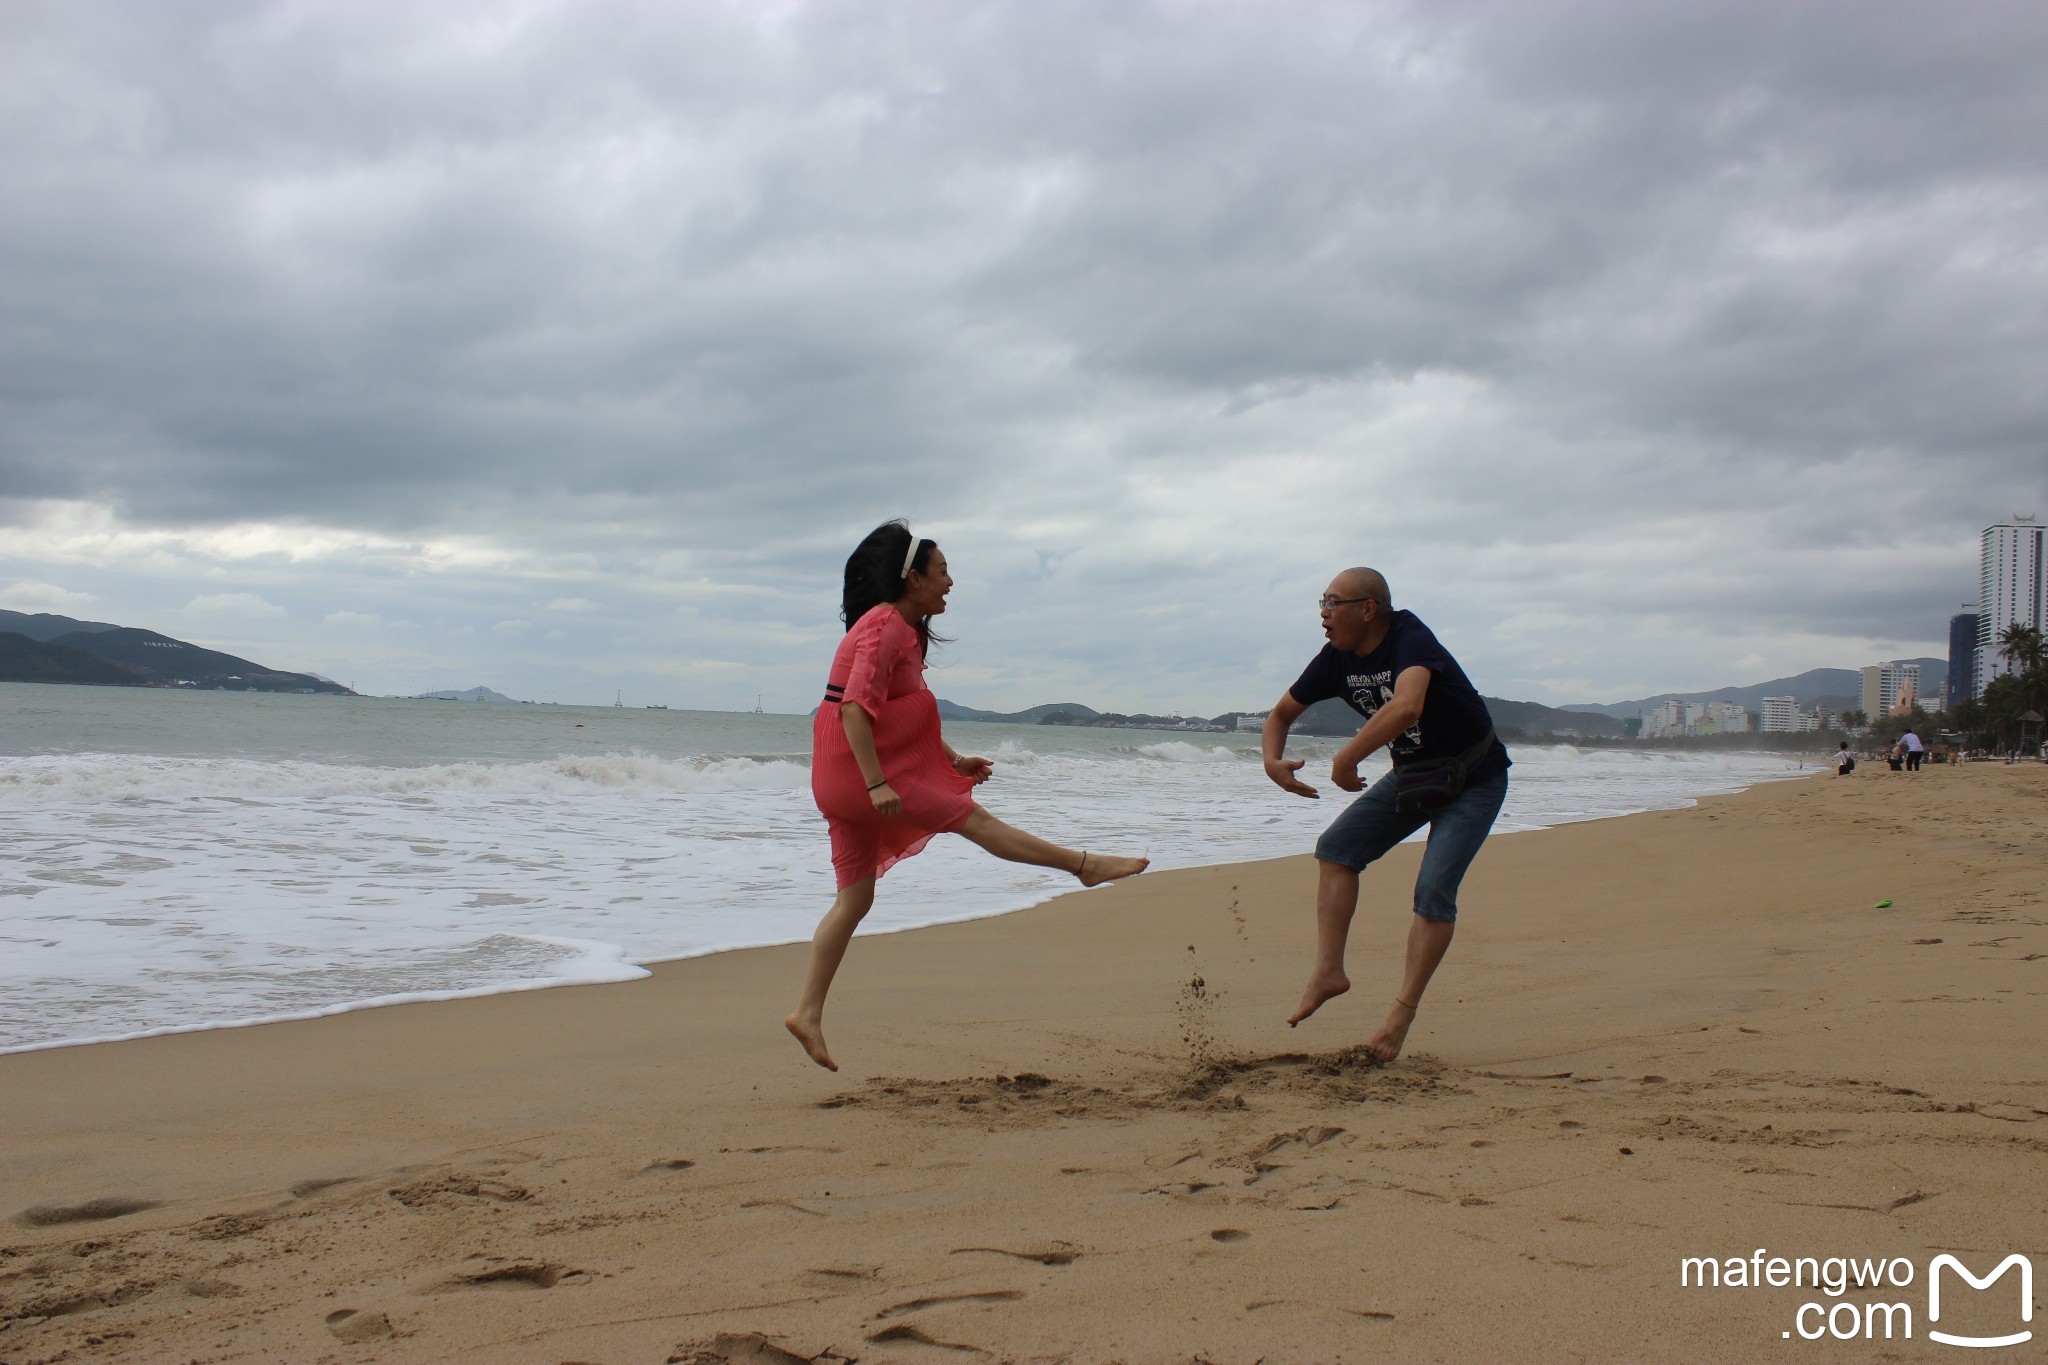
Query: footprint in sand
(897, 1310)
(91, 1211)
(214, 1289)
(1229, 1235)
(744, 1348)
(353, 1325)
(1060, 1254)
(903, 1331)
(452, 1188)
(520, 1275)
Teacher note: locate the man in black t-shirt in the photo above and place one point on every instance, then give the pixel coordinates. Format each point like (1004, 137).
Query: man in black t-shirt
(1450, 773)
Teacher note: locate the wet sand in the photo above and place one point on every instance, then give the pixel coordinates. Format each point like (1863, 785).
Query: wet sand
(1083, 1132)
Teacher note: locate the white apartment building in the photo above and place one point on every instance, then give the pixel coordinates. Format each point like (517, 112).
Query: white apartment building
(2010, 589)
(1251, 720)
(1674, 718)
(1780, 716)
(1667, 720)
(1721, 718)
(1884, 684)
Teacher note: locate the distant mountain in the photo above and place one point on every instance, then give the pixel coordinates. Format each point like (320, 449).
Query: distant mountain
(1513, 718)
(137, 656)
(469, 694)
(24, 659)
(1838, 688)
(44, 626)
(1029, 716)
(174, 663)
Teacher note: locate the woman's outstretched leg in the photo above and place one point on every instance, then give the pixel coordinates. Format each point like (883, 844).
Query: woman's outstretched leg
(1014, 845)
(828, 946)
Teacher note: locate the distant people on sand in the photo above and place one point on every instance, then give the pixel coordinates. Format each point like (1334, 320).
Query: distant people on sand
(1845, 762)
(882, 772)
(1450, 773)
(1912, 750)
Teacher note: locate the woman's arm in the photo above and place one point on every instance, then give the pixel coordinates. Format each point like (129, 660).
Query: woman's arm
(860, 737)
(979, 769)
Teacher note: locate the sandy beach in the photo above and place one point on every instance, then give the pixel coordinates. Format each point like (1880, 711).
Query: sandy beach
(1082, 1132)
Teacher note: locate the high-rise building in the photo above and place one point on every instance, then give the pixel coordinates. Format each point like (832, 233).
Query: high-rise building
(1780, 716)
(2009, 590)
(1884, 684)
(1722, 718)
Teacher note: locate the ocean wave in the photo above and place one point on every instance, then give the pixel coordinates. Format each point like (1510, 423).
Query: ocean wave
(124, 777)
(1180, 751)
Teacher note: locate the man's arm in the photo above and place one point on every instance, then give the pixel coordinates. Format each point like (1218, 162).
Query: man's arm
(1273, 746)
(1387, 724)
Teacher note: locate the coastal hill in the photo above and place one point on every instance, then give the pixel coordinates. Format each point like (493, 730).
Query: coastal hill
(478, 693)
(1324, 718)
(23, 659)
(47, 648)
(1033, 715)
(1839, 689)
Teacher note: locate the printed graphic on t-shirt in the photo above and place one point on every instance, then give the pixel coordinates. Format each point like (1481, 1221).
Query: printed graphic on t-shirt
(1371, 691)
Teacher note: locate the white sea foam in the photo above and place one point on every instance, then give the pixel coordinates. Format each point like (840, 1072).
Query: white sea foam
(178, 887)
(1180, 751)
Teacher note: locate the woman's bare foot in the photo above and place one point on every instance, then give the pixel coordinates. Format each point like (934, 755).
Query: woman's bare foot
(1320, 988)
(1386, 1044)
(811, 1033)
(1097, 868)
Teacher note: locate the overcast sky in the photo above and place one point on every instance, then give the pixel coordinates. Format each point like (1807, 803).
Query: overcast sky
(569, 347)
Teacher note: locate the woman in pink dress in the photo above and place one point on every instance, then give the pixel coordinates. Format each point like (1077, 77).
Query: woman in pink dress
(881, 771)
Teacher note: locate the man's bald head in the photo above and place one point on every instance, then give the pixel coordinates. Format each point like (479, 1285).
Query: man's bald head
(1363, 582)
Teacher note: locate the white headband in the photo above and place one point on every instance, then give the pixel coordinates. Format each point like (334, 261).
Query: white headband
(909, 555)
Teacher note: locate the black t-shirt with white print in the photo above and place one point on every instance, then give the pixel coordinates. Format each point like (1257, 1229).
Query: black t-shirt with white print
(1454, 715)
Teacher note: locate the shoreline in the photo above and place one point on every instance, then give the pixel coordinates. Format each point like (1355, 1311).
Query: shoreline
(629, 969)
(1083, 1133)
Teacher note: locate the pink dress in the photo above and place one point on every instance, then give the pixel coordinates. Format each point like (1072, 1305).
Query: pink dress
(880, 668)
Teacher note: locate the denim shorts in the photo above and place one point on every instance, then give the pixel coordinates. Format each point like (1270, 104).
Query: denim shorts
(1371, 825)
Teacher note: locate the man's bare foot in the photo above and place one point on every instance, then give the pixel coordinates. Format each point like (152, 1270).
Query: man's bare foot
(1319, 989)
(1097, 868)
(1386, 1044)
(812, 1035)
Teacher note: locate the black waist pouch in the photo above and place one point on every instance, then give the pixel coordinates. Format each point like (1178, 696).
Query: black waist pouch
(1420, 788)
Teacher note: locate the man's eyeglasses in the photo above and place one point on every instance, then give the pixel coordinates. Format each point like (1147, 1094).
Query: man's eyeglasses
(1328, 603)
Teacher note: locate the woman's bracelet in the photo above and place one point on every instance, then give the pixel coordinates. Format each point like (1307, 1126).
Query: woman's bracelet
(883, 783)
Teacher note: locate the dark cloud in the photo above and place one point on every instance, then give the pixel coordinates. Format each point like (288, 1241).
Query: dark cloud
(1614, 317)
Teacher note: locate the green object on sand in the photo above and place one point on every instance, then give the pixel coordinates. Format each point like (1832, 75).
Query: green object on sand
(1881, 905)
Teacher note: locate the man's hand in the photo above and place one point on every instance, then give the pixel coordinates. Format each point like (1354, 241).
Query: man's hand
(886, 800)
(978, 770)
(1283, 774)
(1344, 772)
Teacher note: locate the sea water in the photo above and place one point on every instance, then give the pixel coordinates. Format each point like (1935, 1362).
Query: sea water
(174, 860)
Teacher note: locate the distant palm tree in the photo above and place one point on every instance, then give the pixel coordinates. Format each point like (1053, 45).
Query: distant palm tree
(2021, 645)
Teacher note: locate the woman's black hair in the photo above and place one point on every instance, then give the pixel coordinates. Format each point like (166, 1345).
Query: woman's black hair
(874, 575)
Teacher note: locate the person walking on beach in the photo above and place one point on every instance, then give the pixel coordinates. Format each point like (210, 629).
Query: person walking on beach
(1450, 773)
(882, 772)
